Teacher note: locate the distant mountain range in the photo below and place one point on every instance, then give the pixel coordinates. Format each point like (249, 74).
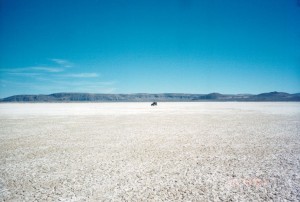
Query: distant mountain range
(145, 97)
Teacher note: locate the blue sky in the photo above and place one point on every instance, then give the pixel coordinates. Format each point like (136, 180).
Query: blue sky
(151, 46)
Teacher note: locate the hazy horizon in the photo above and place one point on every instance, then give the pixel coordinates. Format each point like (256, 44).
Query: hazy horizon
(159, 93)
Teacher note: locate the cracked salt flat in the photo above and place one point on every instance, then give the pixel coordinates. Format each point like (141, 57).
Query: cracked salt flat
(134, 152)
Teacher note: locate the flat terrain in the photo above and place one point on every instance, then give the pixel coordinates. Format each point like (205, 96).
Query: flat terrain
(133, 152)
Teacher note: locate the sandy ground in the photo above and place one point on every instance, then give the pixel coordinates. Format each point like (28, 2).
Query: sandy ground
(133, 152)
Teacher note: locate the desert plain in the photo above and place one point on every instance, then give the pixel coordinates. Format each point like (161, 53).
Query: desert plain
(205, 151)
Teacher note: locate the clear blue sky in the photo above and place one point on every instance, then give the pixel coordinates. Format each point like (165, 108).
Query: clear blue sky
(151, 46)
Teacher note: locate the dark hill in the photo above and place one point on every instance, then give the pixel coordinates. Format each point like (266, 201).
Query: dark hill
(144, 97)
(276, 96)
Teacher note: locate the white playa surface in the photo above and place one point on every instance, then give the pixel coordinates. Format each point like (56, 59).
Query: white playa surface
(230, 151)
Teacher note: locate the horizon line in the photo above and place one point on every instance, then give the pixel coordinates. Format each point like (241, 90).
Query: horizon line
(150, 93)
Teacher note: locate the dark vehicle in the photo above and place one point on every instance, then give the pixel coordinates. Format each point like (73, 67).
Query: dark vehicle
(154, 104)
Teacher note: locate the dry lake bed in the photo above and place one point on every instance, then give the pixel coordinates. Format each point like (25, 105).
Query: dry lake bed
(230, 151)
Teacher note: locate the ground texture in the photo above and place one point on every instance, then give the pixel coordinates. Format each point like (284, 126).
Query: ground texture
(134, 152)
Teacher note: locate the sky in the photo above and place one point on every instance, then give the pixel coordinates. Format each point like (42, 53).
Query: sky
(149, 46)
